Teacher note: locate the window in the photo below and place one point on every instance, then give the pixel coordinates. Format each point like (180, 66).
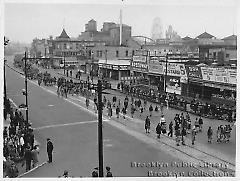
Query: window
(164, 50)
(126, 53)
(65, 46)
(133, 52)
(100, 53)
(227, 55)
(117, 54)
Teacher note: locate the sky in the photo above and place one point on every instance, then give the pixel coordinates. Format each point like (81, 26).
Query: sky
(26, 20)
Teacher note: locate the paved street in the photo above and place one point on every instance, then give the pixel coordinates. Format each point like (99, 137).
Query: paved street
(76, 145)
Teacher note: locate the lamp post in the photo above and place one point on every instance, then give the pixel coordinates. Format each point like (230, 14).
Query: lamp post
(6, 41)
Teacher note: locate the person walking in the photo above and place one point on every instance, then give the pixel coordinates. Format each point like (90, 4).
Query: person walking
(35, 153)
(87, 102)
(200, 121)
(141, 111)
(194, 132)
(183, 134)
(117, 111)
(28, 158)
(158, 130)
(124, 111)
(150, 110)
(209, 134)
(170, 127)
(132, 110)
(147, 124)
(49, 150)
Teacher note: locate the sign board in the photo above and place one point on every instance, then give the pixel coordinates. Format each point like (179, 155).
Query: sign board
(221, 75)
(232, 75)
(124, 67)
(115, 67)
(208, 74)
(173, 85)
(140, 66)
(193, 72)
(139, 58)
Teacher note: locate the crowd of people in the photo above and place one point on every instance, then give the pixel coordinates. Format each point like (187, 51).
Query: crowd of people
(180, 126)
(210, 110)
(18, 143)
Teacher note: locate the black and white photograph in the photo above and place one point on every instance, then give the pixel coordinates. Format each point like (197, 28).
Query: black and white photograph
(119, 88)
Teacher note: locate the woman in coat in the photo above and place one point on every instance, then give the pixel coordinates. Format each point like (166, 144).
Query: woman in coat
(158, 130)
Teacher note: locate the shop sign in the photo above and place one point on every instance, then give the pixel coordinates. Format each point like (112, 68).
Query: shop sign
(173, 85)
(175, 69)
(221, 75)
(208, 74)
(108, 66)
(232, 75)
(139, 66)
(139, 58)
(194, 72)
(123, 67)
(115, 67)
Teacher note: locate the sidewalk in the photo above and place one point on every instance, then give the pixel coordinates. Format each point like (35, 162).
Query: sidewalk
(200, 151)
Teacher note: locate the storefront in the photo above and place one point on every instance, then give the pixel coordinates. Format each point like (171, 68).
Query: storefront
(114, 69)
(139, 67)
(219, 83)
(176, 76)
(195, 83)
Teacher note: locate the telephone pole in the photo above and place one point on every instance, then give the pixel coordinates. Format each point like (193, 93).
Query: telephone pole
(100, 136)
(26, 90)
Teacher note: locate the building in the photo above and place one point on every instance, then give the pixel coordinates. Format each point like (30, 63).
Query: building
(217, 51)
(110, 33)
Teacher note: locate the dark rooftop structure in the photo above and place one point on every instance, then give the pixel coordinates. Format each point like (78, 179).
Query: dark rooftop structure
(205, 35)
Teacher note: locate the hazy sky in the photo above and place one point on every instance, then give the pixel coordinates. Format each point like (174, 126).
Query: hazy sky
(25, 21)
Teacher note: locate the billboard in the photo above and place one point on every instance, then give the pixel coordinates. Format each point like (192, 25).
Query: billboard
(232, 76)
(221, 75)
(173, 85)
(193, 72)
(208, 74)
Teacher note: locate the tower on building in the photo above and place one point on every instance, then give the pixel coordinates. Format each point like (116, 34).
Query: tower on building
(157, 29)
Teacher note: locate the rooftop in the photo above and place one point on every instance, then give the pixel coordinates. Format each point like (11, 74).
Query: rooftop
(205, 35)
(64, 34)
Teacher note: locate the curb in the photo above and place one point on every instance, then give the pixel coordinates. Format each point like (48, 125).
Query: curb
(32, 169)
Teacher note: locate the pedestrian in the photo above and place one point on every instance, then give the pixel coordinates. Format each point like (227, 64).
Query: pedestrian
(87, 102)
(196, 124)
(161, 107)
(158, 130)
(11, 168)
(28, 158)
(194, 132)
(150, 110)
(124, 111)
(141, 111)
(218, 134)
(145, 104)
(49, 150)
(209, 134)
(183, 133)
(117, 111)
(109, 173)
(147, 124)
(170, 127)
(200, 121)
(178, 135)
(35, 153)
(132, 110)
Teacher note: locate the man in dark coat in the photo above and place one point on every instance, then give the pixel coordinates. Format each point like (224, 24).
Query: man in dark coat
(49, 150)
(28, 158)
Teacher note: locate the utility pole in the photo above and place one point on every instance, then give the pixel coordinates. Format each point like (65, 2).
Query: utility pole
(100, 136)
(165, 80)
(26, 90)
(64, 64)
